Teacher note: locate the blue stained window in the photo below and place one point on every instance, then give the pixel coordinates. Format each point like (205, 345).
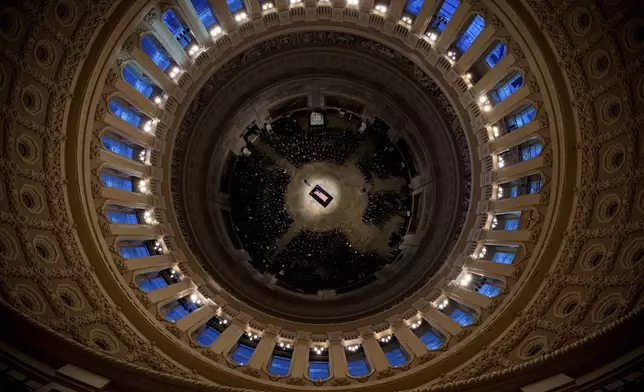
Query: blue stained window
(534, 185)
(488, 290)
(495, 54)
(511, 224)
(464, 319)
(514, 191)
(431, 341)
(395, 356)
(136, 80)
(124, 113)
(122, 217)
(155, 53)
(413, 7)
(176, 313)
(358, 367)
(117, 147)
(242, 354)
(154, 282)
(204, 12)
(234, 5)
(177, 28)
(117, 182)
(503, 257)
(134, 252)
(506, 89)
(207, 336)
(520, 119)
(318, 370)
(443, 15)
(279, 365)
(529, 151)
(468, 36)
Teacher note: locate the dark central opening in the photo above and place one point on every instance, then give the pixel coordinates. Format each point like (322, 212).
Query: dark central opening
(347, 253)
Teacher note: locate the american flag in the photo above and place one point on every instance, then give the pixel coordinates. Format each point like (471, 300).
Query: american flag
(321, 195)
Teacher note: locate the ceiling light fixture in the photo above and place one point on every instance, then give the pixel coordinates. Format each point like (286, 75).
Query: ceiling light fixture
(240, 17)
(194, 50)
(174, 72)
(216, 31)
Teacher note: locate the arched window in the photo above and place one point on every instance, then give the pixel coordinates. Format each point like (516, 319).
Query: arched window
(525, 151)
(156, 280)
(529, 149)
(136, 249)
(394, 352)
(244, 349)
(280, 361)
(205, 13)
(356, 361)
(180, 308)
(113, 179)
(178, 29)
(207, 334)
(520, 186)
(318, 364)
(443, 16)
(155, 52)
(126, 112)
(431, 338)
(234, 5)
(494, 55)
(503, 254)
(506, 221)
(458, 312)
(503, 257)
(135, 77)
(504, 89)
(488, 289)
(413, 7)
(124, 215)
(469, 34)
(519, 118)
(486, 62)
(117, 146)
(484, 285)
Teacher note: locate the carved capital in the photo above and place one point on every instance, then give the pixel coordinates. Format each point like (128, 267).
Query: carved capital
(517, 53)
(112, 77)
(426, 357)
(339, 382)
(251, 372)
(385, 374)
(100, 112)
(129, 44)
(295, 381)
(151, 16)
(174, 330)
(496, 23)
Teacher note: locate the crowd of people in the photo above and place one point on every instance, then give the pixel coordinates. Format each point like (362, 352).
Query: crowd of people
(382, 160)
(299, 146)
(258, 204)
(314, 261)
(383, 206)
